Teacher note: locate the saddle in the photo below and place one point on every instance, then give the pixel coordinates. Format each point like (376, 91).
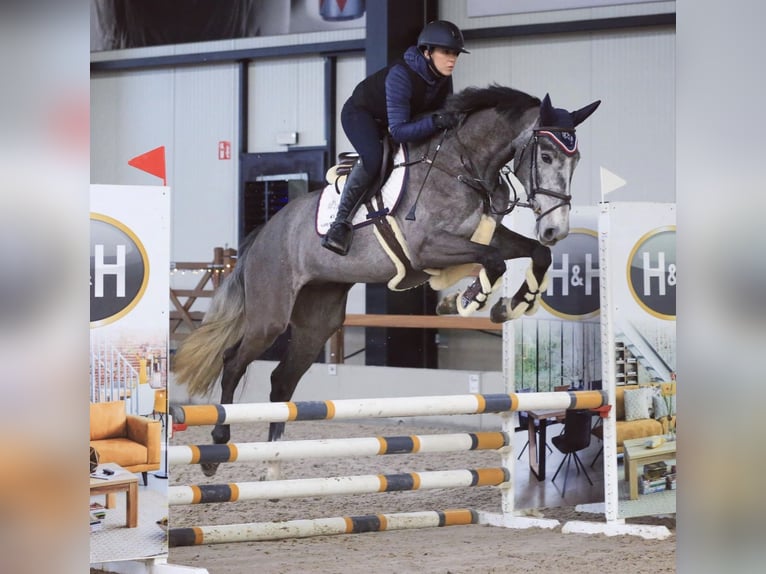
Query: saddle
(338, 174)
(383, 197)
(379, 210)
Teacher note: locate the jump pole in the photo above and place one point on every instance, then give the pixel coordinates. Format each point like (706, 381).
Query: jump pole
(198, 415)
(364, 484)
(259, 531)
(332, 448)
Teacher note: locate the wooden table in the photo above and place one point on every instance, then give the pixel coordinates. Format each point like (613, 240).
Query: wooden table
(537, 452)
(120, 481)
(636, 452)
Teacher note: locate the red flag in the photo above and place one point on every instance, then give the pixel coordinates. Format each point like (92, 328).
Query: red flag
(152, 162)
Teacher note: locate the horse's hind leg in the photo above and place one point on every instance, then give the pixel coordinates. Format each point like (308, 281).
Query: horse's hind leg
(235, 362)
(318, 312)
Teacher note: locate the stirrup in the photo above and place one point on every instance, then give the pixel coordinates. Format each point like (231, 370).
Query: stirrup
(339, 237)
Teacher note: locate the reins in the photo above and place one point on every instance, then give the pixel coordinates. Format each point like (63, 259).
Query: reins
(475, 183)
(411, 215)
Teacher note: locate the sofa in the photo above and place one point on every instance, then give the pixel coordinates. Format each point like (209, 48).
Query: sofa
(131, 441)
(646, 416)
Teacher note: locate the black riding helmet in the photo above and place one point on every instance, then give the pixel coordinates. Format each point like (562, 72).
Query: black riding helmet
(443, 34)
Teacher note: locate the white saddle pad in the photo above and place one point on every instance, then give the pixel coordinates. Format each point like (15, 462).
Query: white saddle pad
(391, 191)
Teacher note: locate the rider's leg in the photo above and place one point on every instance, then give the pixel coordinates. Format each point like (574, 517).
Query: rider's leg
(340, 234)
(364, 133)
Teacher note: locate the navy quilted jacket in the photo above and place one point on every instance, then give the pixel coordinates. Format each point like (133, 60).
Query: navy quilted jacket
(404, 101)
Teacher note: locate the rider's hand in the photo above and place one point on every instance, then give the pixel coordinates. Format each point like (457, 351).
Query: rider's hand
(445, 120)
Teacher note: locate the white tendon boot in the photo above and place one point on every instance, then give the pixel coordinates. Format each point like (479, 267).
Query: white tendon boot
(475, 296)
(531, 302)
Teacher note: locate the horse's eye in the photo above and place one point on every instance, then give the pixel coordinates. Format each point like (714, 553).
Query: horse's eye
(547, 158)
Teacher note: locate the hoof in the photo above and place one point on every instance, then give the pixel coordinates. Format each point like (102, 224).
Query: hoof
(505, 310)
(517, 308)
(448, 305)
(209, 468)
(498, 312)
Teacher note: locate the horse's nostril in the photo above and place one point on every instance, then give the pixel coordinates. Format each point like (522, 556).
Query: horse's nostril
(551, 235)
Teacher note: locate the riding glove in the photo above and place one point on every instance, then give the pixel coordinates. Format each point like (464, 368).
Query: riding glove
(445, 120)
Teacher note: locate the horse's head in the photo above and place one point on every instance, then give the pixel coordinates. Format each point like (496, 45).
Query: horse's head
(545, 158)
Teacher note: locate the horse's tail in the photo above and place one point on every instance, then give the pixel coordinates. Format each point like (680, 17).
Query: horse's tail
(198, 361)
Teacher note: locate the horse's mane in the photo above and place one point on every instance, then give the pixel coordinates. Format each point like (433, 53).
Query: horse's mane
(507, 101)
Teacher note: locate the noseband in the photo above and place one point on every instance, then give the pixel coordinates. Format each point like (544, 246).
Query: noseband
(534, 171)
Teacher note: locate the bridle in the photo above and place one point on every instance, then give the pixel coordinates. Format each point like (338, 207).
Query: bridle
(486, 189)
(534, 171)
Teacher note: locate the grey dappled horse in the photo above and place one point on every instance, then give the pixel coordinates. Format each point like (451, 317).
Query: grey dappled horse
(284, 277)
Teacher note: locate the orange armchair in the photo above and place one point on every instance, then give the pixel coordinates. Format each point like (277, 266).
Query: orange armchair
(131, 441)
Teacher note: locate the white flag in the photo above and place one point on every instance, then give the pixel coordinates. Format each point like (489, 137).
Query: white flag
(610, 181)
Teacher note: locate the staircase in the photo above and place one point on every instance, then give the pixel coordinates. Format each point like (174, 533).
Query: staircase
(657, 369)
(112, 377)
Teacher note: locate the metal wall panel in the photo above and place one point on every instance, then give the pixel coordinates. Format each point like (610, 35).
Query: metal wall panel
(633, 133)
(205, 188)
(131, 113)
(188, 110)
(286, 96)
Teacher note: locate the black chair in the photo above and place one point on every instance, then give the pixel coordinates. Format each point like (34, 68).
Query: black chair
(576, 437)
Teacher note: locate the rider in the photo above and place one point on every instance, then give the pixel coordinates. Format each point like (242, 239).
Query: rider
(391, 99)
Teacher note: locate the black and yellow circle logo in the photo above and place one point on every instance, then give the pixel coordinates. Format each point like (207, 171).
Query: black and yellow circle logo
(652, 272)
(119, 270)
(574, 277)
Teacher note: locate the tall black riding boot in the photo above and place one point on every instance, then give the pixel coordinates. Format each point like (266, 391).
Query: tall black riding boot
(340, 234)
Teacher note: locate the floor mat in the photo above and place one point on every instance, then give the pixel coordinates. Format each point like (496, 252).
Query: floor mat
(117, 542)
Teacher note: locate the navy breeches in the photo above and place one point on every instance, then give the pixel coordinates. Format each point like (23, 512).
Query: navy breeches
(365, 134)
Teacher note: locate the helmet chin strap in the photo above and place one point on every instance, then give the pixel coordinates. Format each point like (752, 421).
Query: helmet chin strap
(430, 61)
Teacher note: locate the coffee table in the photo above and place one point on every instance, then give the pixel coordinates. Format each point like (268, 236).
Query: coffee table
(636, 452)
(121, 481)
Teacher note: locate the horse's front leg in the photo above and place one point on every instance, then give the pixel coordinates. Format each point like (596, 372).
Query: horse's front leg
(526, 300)
(475, 296)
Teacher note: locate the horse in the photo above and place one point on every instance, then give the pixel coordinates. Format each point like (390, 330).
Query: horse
(285, 279)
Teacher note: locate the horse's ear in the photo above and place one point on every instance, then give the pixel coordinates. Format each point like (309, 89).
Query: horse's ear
(547, 116)
(583, 114)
